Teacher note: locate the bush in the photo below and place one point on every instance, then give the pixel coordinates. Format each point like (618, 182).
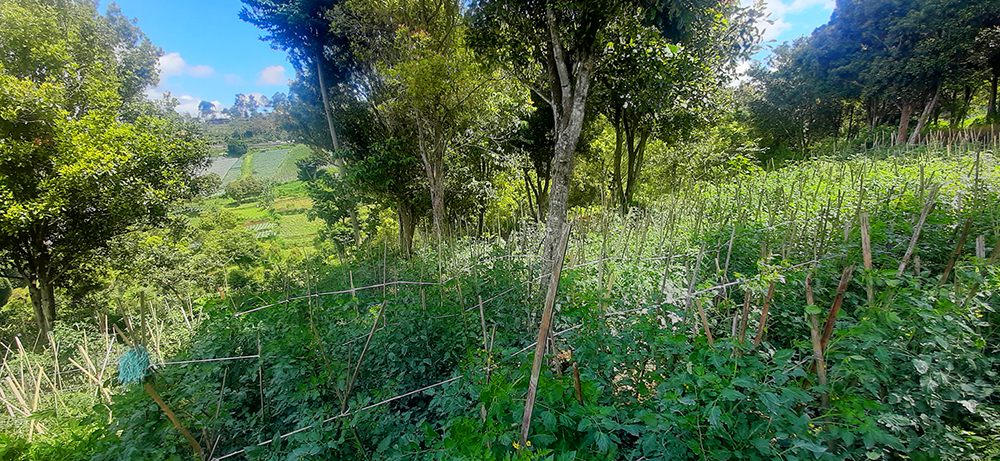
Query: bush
(245, 189)
(236, 148)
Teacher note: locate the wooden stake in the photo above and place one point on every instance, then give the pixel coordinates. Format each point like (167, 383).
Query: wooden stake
(816, 344)
(173, 419)
(957, 251)
(704, 324)
(866, 249)
(543, 335)
(763, 316)
(928, 207)
(845, 280)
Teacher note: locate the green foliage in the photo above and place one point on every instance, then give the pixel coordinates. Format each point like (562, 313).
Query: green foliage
(83, 158)
(247, 188)
(5, 291)
(236, 147)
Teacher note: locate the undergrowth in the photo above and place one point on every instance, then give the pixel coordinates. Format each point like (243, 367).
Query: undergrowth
(439, 369)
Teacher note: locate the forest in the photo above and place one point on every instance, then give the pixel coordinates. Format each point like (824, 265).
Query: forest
(506, 230)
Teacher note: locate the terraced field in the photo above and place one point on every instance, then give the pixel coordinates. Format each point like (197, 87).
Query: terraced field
(277, 165)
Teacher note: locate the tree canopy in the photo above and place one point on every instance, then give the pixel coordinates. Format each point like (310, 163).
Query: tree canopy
(83, 156)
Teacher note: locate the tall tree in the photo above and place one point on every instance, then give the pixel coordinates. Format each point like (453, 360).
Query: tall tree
(320, 53)
(648, 84)
(82, 157)
(553, 46)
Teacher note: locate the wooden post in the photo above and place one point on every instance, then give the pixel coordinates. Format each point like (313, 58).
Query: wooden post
(866, 249)
(763, 316)
(816, 343)
(845, 280)
(957, 251)
(543, 335)
(928, 207)
(173, 419)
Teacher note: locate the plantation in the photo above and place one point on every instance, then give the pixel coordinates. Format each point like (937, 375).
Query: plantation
(682, 331)
(504, 231)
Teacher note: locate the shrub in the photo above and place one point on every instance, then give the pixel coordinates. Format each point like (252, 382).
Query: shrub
(236, 148)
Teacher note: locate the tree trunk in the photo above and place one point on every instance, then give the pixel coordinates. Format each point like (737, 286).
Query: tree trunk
(928, 109)
(532, 197)
(991, 110)
(964, 108)
(616, 175)
(636, 156)
(904, 123)
(569, 81)
(41, 289)
(407, 227)
(542, 198)
(432, 155)
(335, 142)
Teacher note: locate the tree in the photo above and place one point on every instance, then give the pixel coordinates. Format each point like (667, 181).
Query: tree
(236, 147)
(82, 157)
(650, 86)
(245, 188)
(437, 86)
(206, 108)
(318, 51)
(792, 108)
(553, 46)
(903, 53)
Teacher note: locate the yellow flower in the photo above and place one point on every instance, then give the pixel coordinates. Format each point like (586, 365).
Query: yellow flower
(527, 443)
(517, 446)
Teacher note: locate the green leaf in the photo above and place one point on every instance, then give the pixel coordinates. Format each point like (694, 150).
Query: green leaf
(713, 416)
(732, 395)
(920, 365)
(603, 442)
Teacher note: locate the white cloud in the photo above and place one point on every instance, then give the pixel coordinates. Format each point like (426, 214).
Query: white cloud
(741, 74)
(188, 104)
(200, 71)
(272, 75)
(772, 31)
(233, 79)
(776, 10)
(172, 65)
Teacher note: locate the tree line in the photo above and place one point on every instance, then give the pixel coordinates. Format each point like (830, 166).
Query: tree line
(901, 63)
(422, 106)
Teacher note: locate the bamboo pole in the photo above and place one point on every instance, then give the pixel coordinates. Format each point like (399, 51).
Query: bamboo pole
(928, 207)
(543, 335)
(845, 280)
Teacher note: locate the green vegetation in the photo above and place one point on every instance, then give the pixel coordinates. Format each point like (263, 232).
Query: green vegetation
(495, 243)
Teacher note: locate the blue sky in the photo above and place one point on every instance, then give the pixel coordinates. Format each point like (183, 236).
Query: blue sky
(211, 55)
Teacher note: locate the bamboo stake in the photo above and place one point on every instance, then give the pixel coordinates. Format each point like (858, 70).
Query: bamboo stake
(816, 344)
(957, 251)
(173, 419)
(845, 280)
(543, 335)
(866, 249)
(744, 318)
(928, 207)
(763, 315)
(704, 324)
